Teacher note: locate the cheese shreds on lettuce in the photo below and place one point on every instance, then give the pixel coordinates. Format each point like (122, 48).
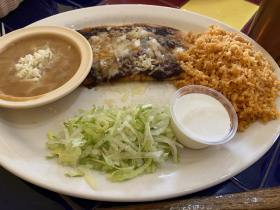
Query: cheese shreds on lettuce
(124, 142)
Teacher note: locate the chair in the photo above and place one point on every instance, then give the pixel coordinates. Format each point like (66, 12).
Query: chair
(76, 4)
(29, 11)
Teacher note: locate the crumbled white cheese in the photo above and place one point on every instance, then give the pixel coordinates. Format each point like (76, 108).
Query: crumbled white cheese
(137, 43)
(154, 44)
(143, 33)
(103, 63)
(113, 71)
(159, 55)
(123, 38)
(149, 52)
(179, 49)
(94, 38)
(147, 63)
(119, 53)
(138, 33)
(28, 67)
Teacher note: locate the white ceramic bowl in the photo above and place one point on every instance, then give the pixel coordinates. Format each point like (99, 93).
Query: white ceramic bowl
(190, 140)
(79, 42)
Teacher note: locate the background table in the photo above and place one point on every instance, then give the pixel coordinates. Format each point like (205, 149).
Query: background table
(257, 187)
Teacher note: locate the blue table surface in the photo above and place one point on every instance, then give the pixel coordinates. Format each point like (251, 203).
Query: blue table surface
(16, 193)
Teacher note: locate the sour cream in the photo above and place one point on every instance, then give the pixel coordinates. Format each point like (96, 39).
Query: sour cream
(202, 117)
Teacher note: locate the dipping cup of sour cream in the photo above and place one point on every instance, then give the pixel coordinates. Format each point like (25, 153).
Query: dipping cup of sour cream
(202, 117)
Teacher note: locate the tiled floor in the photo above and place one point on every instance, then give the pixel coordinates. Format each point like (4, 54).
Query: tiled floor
(18, 194)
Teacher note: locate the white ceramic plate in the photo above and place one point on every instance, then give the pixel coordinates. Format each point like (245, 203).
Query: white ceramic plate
(23, 132)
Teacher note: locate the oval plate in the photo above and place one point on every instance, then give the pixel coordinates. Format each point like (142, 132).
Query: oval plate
(24, 132)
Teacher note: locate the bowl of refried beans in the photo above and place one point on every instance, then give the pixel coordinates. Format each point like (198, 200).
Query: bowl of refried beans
(41, 64)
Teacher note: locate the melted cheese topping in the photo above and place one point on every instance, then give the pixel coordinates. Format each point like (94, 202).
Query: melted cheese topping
(138, 50)
(139, 88)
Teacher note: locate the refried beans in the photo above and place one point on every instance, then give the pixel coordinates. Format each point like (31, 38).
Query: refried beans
(61, 68)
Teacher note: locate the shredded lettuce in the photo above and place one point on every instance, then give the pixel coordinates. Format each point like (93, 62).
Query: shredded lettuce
(124, 142)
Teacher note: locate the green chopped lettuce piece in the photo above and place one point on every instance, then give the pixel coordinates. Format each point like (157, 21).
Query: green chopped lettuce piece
(51, 157)
(121, 175)
(124, 142)
(75, 173)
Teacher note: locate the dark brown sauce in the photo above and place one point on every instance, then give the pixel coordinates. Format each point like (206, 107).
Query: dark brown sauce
(62, 67)
(164, 35)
